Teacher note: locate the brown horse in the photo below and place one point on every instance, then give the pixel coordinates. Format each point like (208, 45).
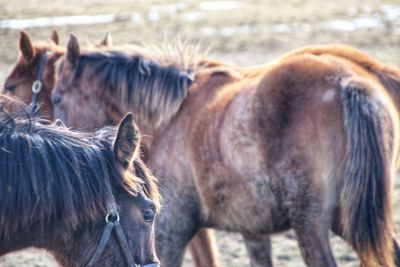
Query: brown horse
(306, 142)
(35, 63)
(67, 192)
(203, 246)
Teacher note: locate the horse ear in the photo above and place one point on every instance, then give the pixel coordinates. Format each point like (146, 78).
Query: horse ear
(73, 50)
(127, 142)
(107, 40)
(25, 45)
(55, 37)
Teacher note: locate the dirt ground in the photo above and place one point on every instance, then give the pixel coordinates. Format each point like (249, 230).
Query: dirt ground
(240, 32)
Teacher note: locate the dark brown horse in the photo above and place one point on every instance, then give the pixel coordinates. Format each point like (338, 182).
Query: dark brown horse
(68, 192)
(306, 142)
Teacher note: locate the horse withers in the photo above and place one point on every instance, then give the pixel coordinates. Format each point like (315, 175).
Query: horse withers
(306, 142)
(85, 197)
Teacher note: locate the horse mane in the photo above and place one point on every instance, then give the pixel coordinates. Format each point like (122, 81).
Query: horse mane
(153, 80)
(150, 182)
(49, 173)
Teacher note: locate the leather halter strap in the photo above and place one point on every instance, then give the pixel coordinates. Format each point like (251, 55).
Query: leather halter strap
(113, 224)
(37, 84)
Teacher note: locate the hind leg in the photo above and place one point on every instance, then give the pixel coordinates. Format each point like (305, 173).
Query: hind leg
(314, 244)
(259, 250)
(311, 222)
(204, 249)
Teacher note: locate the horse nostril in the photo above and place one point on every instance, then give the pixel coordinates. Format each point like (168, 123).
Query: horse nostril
(56, 99)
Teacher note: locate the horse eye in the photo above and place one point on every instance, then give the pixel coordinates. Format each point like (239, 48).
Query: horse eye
(9, 88)
(148, 215)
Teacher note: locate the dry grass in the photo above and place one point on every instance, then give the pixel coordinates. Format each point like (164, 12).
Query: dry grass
(254, 33)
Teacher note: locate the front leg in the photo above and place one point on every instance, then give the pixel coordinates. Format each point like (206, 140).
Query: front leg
(177, 223)
(259, 250)
(204, 249)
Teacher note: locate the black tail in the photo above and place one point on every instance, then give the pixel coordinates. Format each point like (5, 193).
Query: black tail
(366, 199)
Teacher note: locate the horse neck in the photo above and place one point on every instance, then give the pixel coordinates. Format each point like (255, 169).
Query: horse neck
(69, 249)
(76, 251)
(46, 104)
(46, 237)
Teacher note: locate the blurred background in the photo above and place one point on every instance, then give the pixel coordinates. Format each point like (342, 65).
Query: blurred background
(245, 33)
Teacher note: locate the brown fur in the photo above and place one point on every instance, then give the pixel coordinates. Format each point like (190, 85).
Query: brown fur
(274, 141)
(19, 82)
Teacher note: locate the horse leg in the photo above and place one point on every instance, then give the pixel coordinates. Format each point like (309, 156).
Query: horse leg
(204, 249)
(177, 223)
(312, 230)
(259, 250)
(397, 251)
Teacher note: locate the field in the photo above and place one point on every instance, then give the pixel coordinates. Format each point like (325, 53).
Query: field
(239, 32)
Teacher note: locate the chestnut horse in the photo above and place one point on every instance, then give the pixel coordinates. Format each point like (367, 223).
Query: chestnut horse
(306, 142)
(36, 62)
(67, 192)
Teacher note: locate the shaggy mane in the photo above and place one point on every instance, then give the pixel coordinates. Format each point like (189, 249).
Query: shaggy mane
(49, 173)
(153, 80)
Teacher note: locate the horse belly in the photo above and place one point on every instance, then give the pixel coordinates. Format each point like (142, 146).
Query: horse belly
(240, 204)
(239, 192)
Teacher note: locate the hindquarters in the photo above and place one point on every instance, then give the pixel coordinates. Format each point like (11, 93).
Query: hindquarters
(331, 142)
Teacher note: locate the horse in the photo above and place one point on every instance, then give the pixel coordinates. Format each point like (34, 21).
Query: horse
(32, 78)
(306, 142)
(85, 197)
(203, 246)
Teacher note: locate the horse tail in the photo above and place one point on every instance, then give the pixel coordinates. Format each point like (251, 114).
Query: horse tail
(366, 198)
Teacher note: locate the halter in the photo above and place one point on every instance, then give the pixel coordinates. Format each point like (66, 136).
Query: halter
(37, 84)
(112, 223)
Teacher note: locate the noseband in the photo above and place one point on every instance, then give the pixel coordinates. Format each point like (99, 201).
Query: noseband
(113, 224)
(37, 84)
